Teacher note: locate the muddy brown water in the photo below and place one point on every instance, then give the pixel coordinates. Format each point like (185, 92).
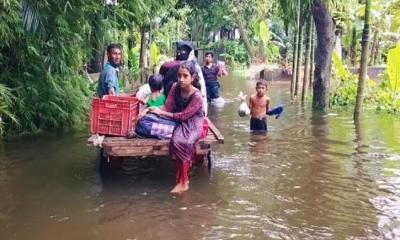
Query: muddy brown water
(311, 177)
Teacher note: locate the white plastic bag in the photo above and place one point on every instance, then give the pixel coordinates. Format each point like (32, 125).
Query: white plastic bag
(243, 108)
(96, 140)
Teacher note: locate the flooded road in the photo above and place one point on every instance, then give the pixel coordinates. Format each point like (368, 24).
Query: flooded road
(311, 177)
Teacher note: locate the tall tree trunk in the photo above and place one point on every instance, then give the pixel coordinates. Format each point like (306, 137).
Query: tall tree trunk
(96, 62)
(294, 64)
(168, 42)
(203, 29)
(359, 137)
(364, 59)
(374, 49)
(285, 50)
(193, 32)
(263, 57)
(323, 59)
(377, 56)
(143, 48)
(143, 54)
(243, 36)
(286, 23)
(295, 52)
(299, 59)
(353, 44)
(312, 57)
(306, 77)
(130, 43)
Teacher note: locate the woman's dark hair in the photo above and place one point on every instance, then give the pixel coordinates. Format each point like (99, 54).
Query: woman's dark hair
(191, 67)
(156, 82)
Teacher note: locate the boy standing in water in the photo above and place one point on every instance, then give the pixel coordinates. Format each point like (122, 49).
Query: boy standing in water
(259, 106)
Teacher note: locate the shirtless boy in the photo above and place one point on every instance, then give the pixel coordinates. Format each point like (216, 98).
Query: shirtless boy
(259, 106)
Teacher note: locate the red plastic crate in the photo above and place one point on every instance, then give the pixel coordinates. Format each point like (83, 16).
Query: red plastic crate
(114, 115)
(132, 100)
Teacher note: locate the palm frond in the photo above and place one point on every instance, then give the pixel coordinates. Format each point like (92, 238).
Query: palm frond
(6, 101)
(32, 21)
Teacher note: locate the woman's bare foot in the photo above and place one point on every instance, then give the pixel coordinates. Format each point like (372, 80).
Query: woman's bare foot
(180, 188)
(185, 186)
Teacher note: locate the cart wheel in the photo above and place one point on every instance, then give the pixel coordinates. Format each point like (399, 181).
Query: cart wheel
(209, 163)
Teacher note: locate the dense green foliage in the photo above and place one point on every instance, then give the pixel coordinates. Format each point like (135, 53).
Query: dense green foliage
(6, 99)
(209, 18)
(385, 26)
(234, 52)
(43, 48)
(379, 96)
(43, 45)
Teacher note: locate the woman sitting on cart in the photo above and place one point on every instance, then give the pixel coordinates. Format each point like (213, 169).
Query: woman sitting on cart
(184, 105)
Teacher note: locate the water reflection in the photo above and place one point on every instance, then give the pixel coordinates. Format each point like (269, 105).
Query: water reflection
(135, 202)
(387, 199)
(258, 143)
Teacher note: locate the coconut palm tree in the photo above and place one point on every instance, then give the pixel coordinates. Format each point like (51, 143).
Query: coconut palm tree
(364, 60)
(299, 55)
(307, 57)
(296, 45)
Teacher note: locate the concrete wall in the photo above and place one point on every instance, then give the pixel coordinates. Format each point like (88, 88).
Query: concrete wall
(373, 72)
(276, 74)
(279, 74)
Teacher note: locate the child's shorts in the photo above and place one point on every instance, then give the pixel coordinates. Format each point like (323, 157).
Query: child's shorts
(258, 124)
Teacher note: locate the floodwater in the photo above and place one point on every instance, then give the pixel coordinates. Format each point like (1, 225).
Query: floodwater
(311, 177)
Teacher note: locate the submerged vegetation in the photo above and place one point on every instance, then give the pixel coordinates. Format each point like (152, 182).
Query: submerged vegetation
(47, 46)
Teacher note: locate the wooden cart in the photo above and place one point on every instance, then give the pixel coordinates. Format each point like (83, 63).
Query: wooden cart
(147, 147)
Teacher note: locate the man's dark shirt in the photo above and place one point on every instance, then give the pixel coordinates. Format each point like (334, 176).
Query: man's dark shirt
(210, 74)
